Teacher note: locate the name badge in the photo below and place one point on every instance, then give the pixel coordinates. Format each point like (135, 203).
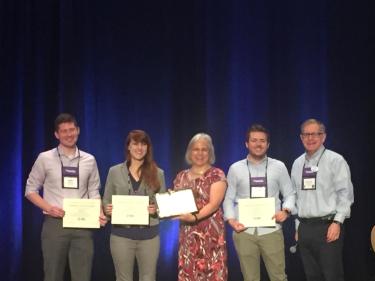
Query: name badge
(258, 187)
(314, 169)
(309, 178)
(70, 177)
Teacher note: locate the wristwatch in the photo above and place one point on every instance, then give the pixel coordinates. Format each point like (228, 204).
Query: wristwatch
(337, 222)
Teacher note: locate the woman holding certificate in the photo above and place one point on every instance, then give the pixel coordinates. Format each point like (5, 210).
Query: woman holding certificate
(202, 251)
(129, 183)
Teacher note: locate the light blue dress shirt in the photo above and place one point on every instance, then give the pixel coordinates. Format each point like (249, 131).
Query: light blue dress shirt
(278, 180)
(334, 189)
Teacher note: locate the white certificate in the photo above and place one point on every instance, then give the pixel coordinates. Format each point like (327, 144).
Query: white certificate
(175, 203)
(256, 212)
(130, 209)
(81, 213)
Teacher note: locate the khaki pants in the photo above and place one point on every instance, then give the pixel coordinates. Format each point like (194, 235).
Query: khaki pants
(269, 246)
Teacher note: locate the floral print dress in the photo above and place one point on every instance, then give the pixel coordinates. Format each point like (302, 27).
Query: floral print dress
(202, 254)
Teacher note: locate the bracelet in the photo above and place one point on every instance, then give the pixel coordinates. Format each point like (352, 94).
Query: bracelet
(195, 216)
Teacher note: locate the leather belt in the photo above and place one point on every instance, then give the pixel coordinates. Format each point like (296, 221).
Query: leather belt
(325, 219)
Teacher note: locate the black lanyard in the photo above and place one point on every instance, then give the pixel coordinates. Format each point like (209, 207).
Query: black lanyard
(248, 169)
(62, 165)
(315, 174)
(317, 164)
(137, 185)
(70, 182)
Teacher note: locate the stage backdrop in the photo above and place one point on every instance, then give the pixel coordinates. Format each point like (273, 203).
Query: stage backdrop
(176, 68)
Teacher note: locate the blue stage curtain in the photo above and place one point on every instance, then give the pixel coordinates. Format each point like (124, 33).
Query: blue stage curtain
(176, 68)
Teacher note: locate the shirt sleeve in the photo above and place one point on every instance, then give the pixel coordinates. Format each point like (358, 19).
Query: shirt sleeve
(109, 189)
(177, 181)
(215, 176)
(294, 187)
(93, 184)
(36, 177)
(344, 189)
(230, 195)
(162, 182)
(286, 188)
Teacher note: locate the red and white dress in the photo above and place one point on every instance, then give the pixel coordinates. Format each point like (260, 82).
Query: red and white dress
(202, 254)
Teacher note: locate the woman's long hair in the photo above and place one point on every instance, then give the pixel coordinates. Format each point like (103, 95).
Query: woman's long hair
(148, 170)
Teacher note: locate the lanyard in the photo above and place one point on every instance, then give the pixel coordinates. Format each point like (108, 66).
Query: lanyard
(265, 174)
(309, 182)
(317, 164)
(137, 185)
(62, 165)
(69, 179)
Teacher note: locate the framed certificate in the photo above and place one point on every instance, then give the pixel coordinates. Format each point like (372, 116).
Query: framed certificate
(175, 203)
(130, 209)
(81, 213)
(256, 212)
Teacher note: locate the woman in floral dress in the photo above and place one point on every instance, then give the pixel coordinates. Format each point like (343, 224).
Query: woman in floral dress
(202, 254)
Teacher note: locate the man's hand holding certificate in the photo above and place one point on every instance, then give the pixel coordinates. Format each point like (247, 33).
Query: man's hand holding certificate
(257, 212)
(175, 203)
(81, 213)
(130, 209)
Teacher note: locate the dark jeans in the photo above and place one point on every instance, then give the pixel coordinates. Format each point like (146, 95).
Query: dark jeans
(322, 261)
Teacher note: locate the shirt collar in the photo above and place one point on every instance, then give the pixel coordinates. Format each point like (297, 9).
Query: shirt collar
(76, 153)
(258, 163)
(316, 154)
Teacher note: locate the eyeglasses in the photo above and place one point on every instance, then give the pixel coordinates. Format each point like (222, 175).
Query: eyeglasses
(313, 135)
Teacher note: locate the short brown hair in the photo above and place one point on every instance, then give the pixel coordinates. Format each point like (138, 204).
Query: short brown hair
(257, 128)
(64, 118)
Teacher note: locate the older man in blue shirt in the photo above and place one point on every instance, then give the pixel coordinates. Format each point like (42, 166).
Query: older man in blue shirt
(259, 176)
(321, 179)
